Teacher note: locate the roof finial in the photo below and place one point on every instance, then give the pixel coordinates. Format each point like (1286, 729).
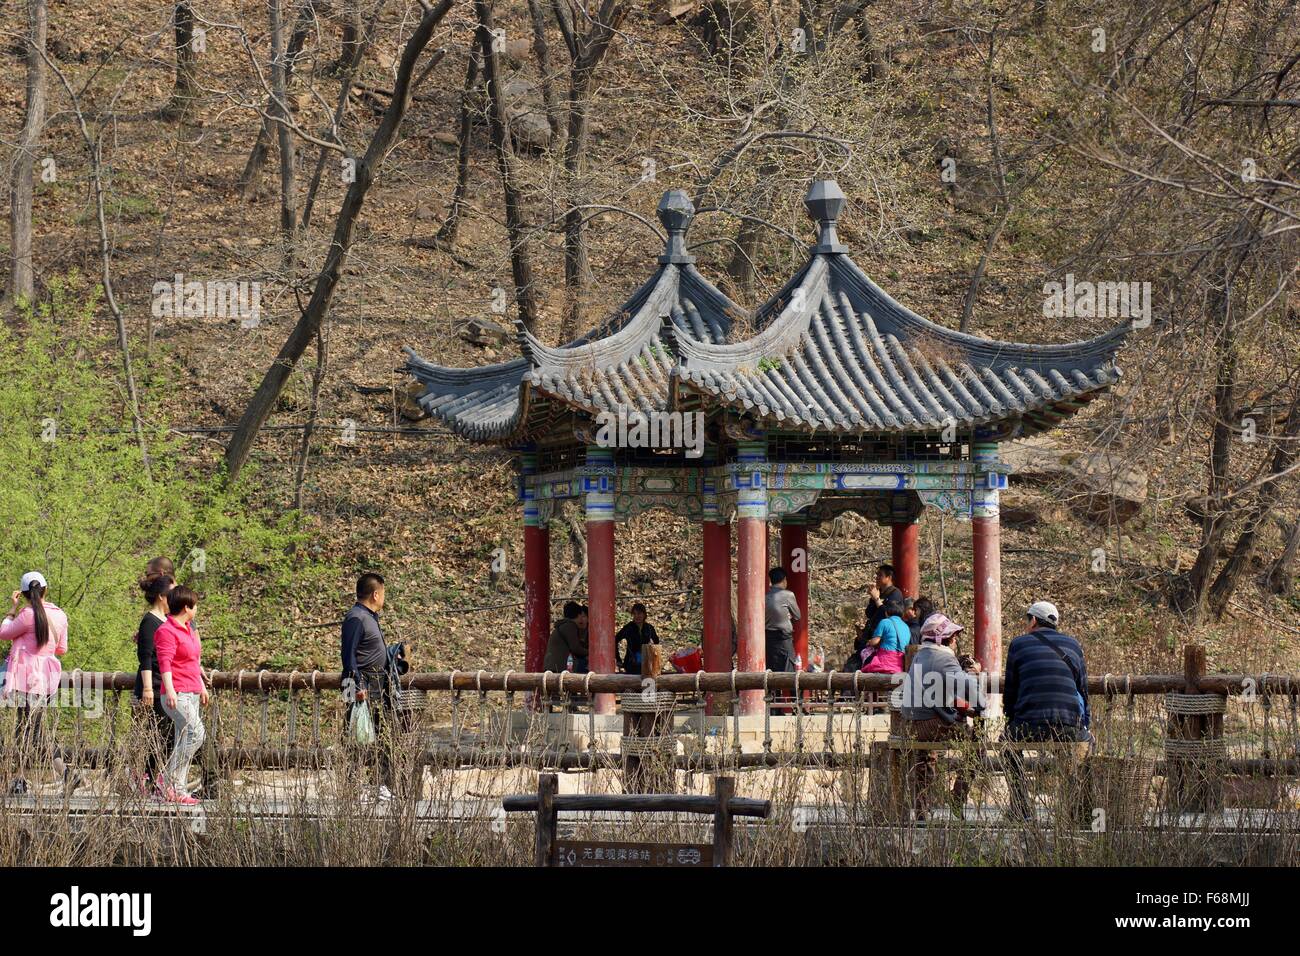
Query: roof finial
(676, 211)
(824, 202)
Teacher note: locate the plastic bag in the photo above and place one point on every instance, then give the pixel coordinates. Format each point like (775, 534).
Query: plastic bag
(361, 726)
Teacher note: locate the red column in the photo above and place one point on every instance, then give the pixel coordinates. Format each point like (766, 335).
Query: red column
(751, 586)
(985, 534)
(794, 558)
(906, 560)
(717, 599)
(600, 592)
(537, 596)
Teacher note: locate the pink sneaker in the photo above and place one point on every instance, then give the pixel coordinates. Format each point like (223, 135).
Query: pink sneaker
(183, 799)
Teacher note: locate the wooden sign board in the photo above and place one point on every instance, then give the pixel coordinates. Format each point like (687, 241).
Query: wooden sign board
(606, 853)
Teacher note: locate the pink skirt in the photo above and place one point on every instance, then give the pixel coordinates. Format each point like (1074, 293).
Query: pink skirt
(36, 675)
(885, 662)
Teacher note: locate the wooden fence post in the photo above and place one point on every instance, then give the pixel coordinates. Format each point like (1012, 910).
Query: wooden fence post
(547, 823)
(724, 788)
(1195, 768)
(646, 771)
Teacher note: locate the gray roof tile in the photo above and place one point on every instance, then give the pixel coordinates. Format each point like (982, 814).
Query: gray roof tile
(832, 352)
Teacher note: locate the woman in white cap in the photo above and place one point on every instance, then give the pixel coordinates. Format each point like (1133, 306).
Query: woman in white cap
(38, 636)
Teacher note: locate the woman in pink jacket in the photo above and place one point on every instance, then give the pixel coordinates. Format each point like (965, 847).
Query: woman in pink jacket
(38, 636)
(179, 657)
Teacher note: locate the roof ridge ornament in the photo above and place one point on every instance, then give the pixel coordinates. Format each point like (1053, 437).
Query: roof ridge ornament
(824, 202)
(675, 212)
(668, 335)
(524, 341)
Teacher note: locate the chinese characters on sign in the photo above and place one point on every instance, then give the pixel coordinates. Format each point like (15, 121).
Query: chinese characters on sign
(603, 853)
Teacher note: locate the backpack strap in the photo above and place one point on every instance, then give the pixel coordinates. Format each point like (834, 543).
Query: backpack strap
(1062, 655)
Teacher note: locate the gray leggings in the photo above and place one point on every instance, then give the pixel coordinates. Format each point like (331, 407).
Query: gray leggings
(189, 738)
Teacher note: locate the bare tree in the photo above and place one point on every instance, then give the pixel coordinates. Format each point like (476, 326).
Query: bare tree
(309, 322)
(586, 50)
(1281, 576)
(94, 149)
(23, 275)
(464, 136)
(543, 53)
(284, 135)
(520, 265)
(1286, 451)
(248, 179)
(185, 91)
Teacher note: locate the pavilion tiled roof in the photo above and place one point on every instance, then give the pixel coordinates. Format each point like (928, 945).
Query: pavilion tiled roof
(832, 353)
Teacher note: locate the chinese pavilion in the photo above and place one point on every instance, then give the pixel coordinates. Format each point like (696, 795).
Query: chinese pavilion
(830, 397)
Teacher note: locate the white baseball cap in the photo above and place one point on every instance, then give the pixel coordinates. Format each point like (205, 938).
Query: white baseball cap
(1045, 611)
(30, 578)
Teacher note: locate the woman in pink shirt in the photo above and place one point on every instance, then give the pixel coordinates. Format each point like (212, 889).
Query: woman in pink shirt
(179, 655)
(38, 636)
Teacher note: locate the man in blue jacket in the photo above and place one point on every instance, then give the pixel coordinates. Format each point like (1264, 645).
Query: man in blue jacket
(1044, 696)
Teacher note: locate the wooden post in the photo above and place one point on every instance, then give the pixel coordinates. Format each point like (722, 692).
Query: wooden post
(1195, 782)
(600, 569)
(986, 544)
(547, 785)
(638, 777)
(905, 540)
(724, 788)
(717, 601)
(537, 572)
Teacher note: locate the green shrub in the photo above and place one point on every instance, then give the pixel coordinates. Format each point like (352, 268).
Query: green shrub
(76, 504)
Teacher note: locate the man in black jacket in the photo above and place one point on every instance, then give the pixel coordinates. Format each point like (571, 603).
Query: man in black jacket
(637, 632)
(883, 593)
(365, 666)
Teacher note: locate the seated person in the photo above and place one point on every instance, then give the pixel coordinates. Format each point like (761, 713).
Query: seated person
(883, 652)
(568, 639)
(637, 632)
(938, 695)
(1044, 695)
(915, 613)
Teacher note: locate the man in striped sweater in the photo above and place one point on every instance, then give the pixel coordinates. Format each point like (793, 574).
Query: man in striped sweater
(1044, 696)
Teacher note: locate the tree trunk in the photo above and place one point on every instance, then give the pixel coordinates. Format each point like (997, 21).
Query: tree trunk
(1281, 577)
(309, 323)
(591, 50)
(185, 91)
(447, 234)
(741, 269)
(543, 54)
(284, 136)
(520, 266)
(340, 110)
(23, 273)
(313, 411)
(257, 156)
(354, 36)
(1285, 453)
(93, 148)
(1225, 409)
